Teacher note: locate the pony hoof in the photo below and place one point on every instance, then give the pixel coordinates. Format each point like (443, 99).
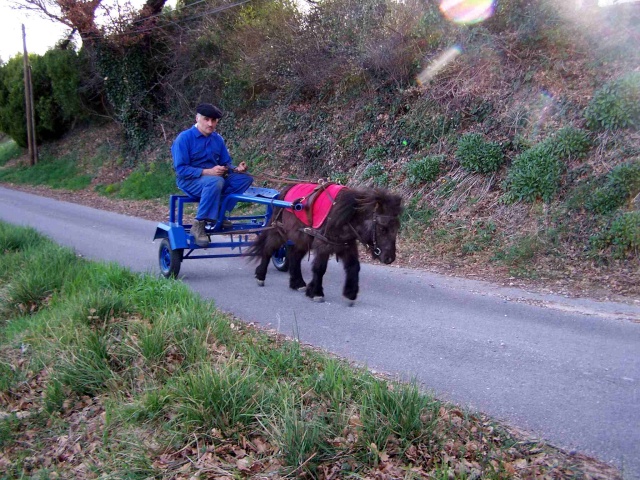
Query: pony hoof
(302, 289)
(318, 299)
(260, 283)
(349, 302)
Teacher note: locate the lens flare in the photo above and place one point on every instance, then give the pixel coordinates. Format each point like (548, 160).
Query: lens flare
(446, 57)
(467, 12)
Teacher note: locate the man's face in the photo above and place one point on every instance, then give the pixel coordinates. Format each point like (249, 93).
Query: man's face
(206, 125)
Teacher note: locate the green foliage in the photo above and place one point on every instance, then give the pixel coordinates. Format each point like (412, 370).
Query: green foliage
(56, 90)
(475, 154)
(394, 411)
(31, 288)
(521, 252)
(9, 426)
(425, 123)
(377, 153)
(301, 436)
(54, 396)
(225, 398)
(85, 369)
(484, 233)
(534, 174)
(8, 151)
(534, 24)
(377, 173)
(8, 376)
(570, 142)
(424, 170)
(155, 180)
(621, 184)
(62, 172)
(310, 411)
(130, 74)
(616, 104)
(623, 235)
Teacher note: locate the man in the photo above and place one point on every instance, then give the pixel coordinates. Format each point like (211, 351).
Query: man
(204, 169)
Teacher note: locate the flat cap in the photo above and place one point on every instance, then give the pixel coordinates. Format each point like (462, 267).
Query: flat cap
(209, 110)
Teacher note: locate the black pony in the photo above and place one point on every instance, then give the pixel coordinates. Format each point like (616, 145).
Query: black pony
(370, 217)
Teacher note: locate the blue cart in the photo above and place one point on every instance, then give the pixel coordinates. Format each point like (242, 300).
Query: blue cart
(177, 243)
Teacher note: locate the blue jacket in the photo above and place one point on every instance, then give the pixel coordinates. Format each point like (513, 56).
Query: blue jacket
(192, 152)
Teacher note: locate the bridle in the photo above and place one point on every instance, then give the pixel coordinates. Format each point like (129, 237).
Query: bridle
(374, 248)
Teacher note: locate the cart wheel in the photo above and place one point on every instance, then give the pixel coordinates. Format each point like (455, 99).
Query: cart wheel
(280, 260)
(169, 259)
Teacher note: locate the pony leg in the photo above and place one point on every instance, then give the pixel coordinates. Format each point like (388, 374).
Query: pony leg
(351, 262)
(265, 247)
(319, 268)
(261, 270)
(295, 256)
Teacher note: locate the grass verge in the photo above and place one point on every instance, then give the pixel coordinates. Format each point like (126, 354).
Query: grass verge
(8, 151)
(62, 172)
(106, 372)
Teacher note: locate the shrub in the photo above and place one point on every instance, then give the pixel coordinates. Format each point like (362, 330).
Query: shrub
(424, 170)
(622, 183)
(56, 83)
(535, 173)
(376, 172)
(623, 235)
(425, 123)
(535, 24)
(616, 105)
(570, 142)
(477, 155)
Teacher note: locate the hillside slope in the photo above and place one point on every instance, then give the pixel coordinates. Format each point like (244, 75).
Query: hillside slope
(515, 142)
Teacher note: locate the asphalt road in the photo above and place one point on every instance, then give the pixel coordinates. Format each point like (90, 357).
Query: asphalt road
(565, 370)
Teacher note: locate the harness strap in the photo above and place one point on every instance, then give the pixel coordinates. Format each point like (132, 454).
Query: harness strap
(315, 233)
(311, 198)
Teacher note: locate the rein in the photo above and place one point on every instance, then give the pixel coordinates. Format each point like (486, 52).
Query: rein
(374, 248)
(288, 180)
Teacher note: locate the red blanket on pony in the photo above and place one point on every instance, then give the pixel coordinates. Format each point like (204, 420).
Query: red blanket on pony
(316, 199)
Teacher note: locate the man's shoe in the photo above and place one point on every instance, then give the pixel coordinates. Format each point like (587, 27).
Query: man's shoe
(200, 237)
(224, 225)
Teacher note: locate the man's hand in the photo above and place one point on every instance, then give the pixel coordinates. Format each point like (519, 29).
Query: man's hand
(241, 168)
(217, 171)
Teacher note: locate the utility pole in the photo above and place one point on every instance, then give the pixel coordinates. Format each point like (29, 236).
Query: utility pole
(28, 99)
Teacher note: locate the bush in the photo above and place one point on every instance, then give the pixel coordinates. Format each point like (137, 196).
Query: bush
(56, 83)
(535, 173)
(623, 235)
(570, 142)
(424, 170)
(477, 155)
(376, 172)
(535, 24)
(616, 105)
(621, 184)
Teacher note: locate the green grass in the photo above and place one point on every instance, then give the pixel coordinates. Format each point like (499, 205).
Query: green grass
(63, 172)
(155, 180)
(164, 386)
(8, 151)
